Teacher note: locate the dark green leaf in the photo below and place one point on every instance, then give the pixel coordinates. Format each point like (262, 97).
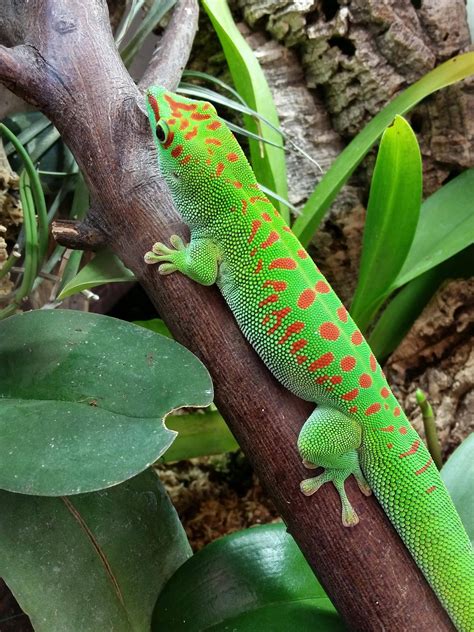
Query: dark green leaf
(94, 561)
(83, 397)
(458, 476)
(256, 579)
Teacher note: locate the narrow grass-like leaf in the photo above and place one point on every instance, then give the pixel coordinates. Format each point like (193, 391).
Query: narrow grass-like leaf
(267, 162)
(446, 227)
(392, 215)
(132, 13)
(444, 75)
(197, 74)
(92, 562)
(105, 267)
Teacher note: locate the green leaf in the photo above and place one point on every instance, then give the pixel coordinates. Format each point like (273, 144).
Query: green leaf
(105, 267)
(155, 324)
(402, 311)
(446, 226)
(458, 476)
(93, 561)
(199, 435)
(444, 75)
(392, 216)
(256, 579)
(83, 399)
(268, 162)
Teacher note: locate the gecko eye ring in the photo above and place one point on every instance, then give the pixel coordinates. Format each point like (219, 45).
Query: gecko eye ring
(161, 133)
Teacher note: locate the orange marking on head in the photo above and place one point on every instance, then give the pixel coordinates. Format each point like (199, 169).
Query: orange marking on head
(237, 185)
(279, 314)
(342, 314)
(213, 141)
(272, 298)
(353, 409)
(220, 168)
(424, 468)
(271, 239)
(294, 328)
(154, 106)
(177, 105)
(301, 358)
(384, 392)
(208, 161)
(266, 217)
(350, 395)
(306, 298)
(336, 379)
(287, 229)
(321, 362)
(232, 157)
(258, 267)
(278, 286)
(256, 223)
(197, 116)
(171, 121)
(348, 363)
(186, 159)
(298, 345)
(321, 379)
(285, 263)
(372, 409)
(210, 152)
(431, 489)
(356, 338)
(253, 252)
(258, 198)
(322, 287)
(389, 446)
(329, 331)
(191, 134)
(413, 449)
(373, 362)
(396, 411)
(365, 380)
(177, 151)
(184, 124)
(402, 430)
(388, 429)
(302, 254)
(244, 207)
(214, 125)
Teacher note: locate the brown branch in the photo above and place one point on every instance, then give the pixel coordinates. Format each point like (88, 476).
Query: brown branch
(78, 79)
(77, 235)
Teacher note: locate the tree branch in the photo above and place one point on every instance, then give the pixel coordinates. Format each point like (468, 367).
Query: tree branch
(78, 80)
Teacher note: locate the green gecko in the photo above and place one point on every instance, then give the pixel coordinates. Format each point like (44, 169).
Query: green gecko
(294, 320)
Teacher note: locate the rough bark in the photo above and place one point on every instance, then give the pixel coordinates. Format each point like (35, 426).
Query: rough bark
(64, 61)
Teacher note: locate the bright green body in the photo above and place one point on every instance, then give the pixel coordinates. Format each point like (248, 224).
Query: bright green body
(288, 312)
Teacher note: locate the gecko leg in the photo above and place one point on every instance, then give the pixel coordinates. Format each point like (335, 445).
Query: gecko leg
(330, 439)
(198, 260)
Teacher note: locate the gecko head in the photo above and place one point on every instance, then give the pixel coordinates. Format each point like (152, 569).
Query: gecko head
(198, 155)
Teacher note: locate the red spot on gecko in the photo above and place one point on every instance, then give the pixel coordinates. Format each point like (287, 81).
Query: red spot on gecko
(184, 124)
(171, 121)
(389, 446)
(272, 298)
(239, 185)
(177, 105)
(384, 392)
(285, 263)
(279, 314)
(266, 217)
(424, 468)
(278, 286)
(220, 168)
(356, 338)
(431, 489)
(232, 157)
(214, 125)
(190, 135)
(298, 345)
(321, 379)
(336, 379)
(258, 267)
(306, 298)
(348, 363)
(350, 395)
(186, 159)
(271, 239)
(169, 140)
(413, 449)
(342, 314)
(294, 328)
(372, 409)
(177, 151)
(402, 430)
(301, 358)
(213, 141)
(259, 198)
(287, 229)
(396, 412)
(321, 362)
(197, 116)
(253, 252)
(365, 380)
(256, 223)
(302, 254)
(388, 429)
(373, 362)
(154, 106)
(329, 331)
(322, 287)
(353, 409)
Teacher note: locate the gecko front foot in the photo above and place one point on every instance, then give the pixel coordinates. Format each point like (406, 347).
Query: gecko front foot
(171, 259)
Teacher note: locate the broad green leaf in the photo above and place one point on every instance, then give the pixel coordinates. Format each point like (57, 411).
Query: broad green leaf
(458, 476)
(446, 226)
(268, 162)
(105, 267)
(402, 311)
(94, 561)
(255, 579)
(453, 70)
(392, 215)
(199, 435)
(155, 324)
(83, 398)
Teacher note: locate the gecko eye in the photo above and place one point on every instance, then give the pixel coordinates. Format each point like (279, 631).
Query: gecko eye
(161, 132)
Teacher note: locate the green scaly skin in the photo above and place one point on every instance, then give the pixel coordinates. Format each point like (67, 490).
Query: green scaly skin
(294, 320)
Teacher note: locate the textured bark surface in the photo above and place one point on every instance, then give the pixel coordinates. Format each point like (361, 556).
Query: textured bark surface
(64, 62)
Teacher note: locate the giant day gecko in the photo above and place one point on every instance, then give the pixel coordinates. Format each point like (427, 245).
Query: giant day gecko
(294, 320)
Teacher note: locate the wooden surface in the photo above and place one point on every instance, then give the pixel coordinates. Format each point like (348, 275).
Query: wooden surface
(65, 63)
